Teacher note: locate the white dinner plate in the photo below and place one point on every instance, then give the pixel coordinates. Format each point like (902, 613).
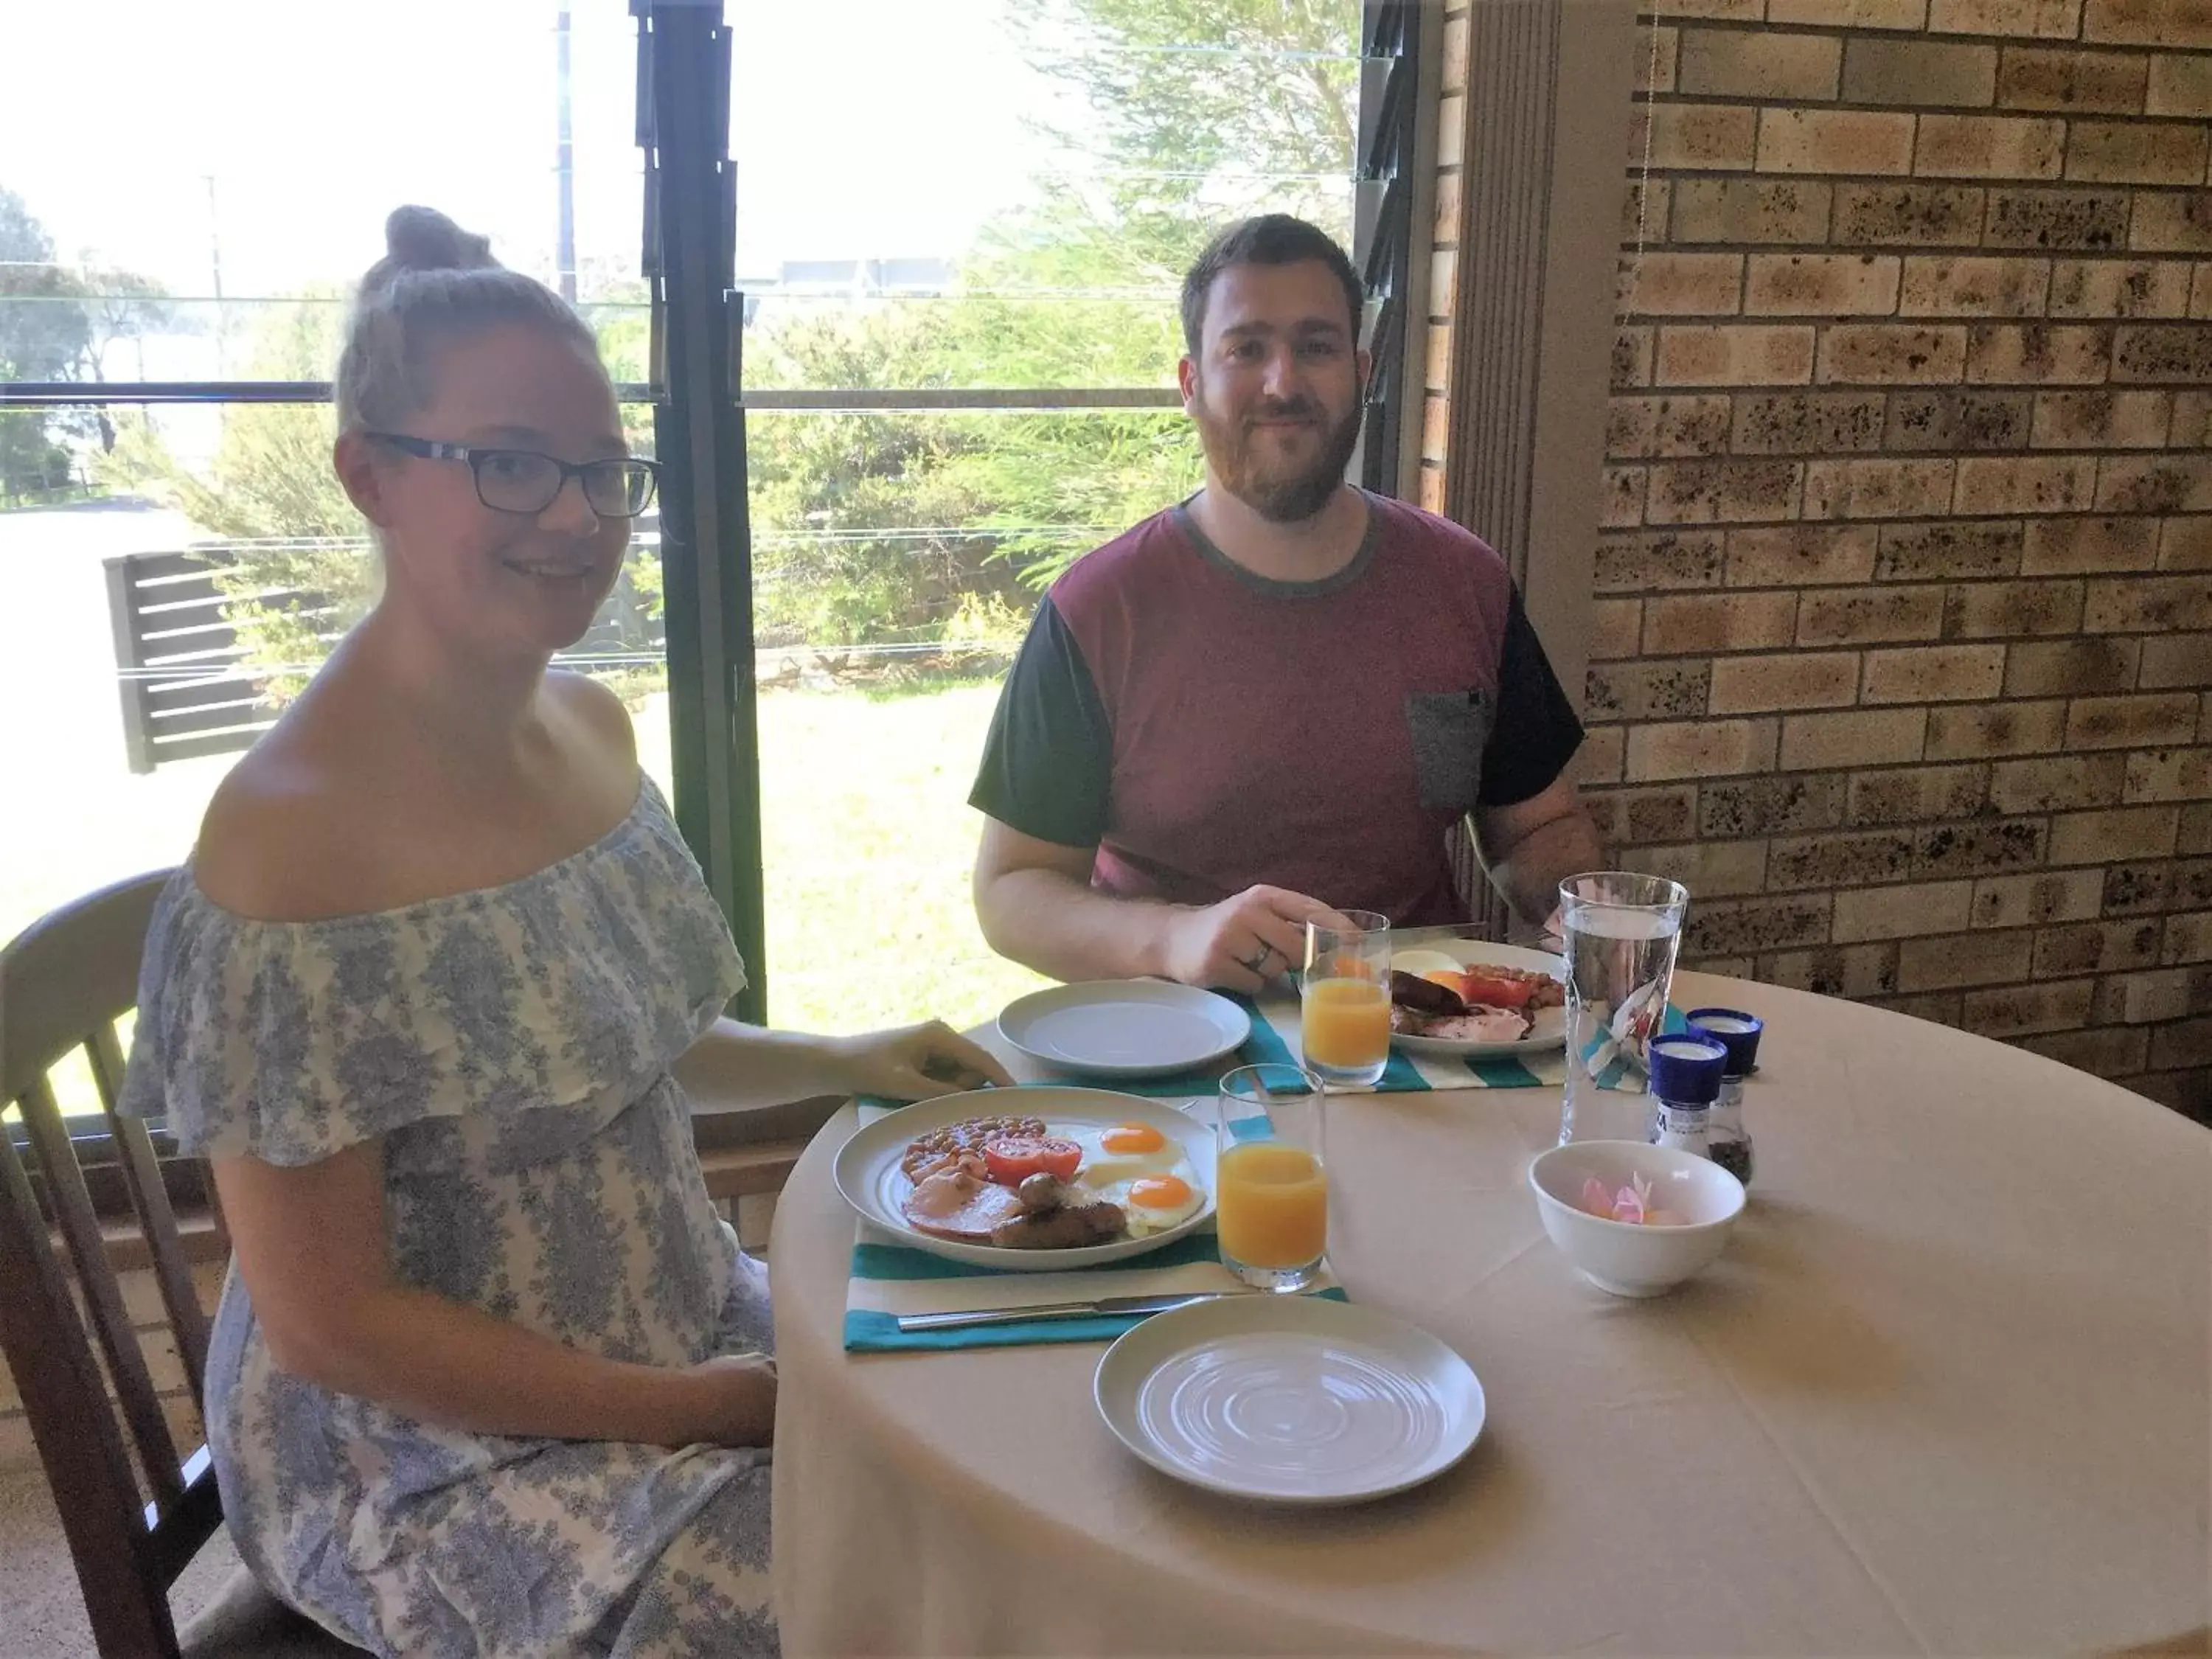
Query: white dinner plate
(1125, 1027)
(1550, 1030)
(1288, 1399)
(868, 1173)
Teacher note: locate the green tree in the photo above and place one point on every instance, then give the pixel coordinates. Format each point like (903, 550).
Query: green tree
(43, 335)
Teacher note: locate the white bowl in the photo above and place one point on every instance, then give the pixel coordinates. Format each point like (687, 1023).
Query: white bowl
(1625, 1257)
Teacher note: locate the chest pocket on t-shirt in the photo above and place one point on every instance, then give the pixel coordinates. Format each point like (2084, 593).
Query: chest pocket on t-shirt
(1450, 730)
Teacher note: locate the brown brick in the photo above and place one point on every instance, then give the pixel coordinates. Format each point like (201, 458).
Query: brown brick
(1659, 284)
(2188, 938)
(1955, 960)
(2137, 722)
(1850, 13)
(1800, 555)
(2036, 353)
(2088, 947)
(2051, 782)
(1631, 358)
(2054, 483)
(1620, 497)
(1874, 736)
(2161, 995)
(2118, 832)
(1616, 625)
(1943, 285)
(1645, 690)
(1628, 427)
(2070, 666)
(2064, 547)
(1845, 970)
(2058, 895)
(1885, 489)
(2119, 288)
(1918, 72)
(1704, 624)
(1838, 861)
(1709, 868)
(1938, 1007)
(1874, 353)
(1644, 211)
(1988, 611)
(1759, 685)
(2180, 84)
(1698, 749)
(1723, 492)
(2195, 838)
(1453, 67)
(1757, 924)
(1733, 11)
(1686, 558)
(2085, 219)
(1874, 913)
(1990, 147)
(1665, 426)
(2148, 22)
(2200, 292)
(1798, 422)
(2185, 1043)
(1661, 56)
(2022, 1010)
(1934, 673)
(2101, 420)
(1702, 136)
(2009, 728)
(2169, 774)
(1865, 615)
(2192, 881)
(2192, 420)
(2172, 223)
(1772, 804)
(1922, 552)
(2102, 1051)
(1821, 285)
(1743, 354)
(1916, 794)
(2138, 888)
(1758, 64)
(1599, 759)
(2141, 604)
(2173, 662)
(2057, 18)
(1956, 419)
(2185, 545)
(1443, 282)
(1750, 211)
(2156, 483)
(2136, 152)
(1915, 214)
(1970, 849)
(1650, 815)
(2032, 77)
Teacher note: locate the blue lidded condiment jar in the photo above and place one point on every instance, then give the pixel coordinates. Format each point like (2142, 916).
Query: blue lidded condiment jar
(1738, 1032)
(1686, 1071)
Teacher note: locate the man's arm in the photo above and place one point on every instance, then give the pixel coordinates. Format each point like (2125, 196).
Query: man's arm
(1036, 903)
(1531, 846)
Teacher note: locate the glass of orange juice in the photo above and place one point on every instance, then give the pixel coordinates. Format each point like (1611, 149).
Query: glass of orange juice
(1270, 1182)
(1344, 1023)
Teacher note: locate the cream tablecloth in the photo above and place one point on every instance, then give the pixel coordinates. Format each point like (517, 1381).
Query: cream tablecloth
(1948, 1392)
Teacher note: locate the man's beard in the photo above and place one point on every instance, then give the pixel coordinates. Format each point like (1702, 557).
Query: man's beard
(1279, 496)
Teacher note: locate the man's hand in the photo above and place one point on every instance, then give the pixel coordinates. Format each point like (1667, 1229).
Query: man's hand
(1242, 943)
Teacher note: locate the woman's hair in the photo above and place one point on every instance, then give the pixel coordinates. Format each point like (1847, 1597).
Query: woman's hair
(436, 284)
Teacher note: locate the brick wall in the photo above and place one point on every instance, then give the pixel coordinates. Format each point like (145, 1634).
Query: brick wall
(1903, 619)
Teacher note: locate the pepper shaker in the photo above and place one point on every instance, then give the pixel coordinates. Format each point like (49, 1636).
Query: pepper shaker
(1738, 1033)
(1686, 1079)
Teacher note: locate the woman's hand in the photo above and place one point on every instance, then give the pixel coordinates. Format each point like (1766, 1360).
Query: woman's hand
(916, 1063)
(729, 1400)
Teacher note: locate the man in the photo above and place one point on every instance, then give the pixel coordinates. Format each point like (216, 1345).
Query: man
(1278, 697)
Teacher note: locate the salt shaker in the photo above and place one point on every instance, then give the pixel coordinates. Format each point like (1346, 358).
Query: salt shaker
(1737, 1032)
(1686, 1079)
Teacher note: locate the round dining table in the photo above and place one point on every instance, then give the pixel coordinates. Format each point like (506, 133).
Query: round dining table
(1949, 1390)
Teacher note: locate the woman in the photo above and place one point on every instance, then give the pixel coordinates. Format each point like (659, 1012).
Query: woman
(489, 1373)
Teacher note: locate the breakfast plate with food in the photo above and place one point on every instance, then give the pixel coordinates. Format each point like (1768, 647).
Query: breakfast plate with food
(1031, 1179)
(1469, 998)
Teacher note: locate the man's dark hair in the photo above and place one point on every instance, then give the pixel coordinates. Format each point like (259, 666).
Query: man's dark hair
(1270, 239)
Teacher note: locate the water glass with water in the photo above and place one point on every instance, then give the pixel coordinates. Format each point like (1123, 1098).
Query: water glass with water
(1622, 931)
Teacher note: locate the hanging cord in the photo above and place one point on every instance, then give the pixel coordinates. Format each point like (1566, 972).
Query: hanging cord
(1643, 174)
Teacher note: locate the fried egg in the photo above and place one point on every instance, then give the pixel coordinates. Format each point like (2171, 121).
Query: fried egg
(1153, 1203)
(1423, 964)
(1123, 1153)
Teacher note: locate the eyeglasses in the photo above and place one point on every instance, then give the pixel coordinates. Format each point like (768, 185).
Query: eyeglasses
(524, 481)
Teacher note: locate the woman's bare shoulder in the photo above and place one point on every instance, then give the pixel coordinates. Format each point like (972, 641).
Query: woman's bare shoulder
(280, 839)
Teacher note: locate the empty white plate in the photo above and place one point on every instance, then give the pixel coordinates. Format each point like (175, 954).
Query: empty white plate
(1288, 1399)
(1125, 1027)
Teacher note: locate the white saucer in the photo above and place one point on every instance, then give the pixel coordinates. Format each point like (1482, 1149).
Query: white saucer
(1125, 1027)
(1288, 1399)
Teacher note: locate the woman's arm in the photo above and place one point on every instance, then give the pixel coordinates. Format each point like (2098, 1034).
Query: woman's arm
(313, 1250)
(748, 1063)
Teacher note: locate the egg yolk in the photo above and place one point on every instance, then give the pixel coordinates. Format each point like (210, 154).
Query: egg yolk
(1159, 1192)
(1132, 1138)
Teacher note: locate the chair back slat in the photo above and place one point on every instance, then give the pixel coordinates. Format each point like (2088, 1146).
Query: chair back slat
(103, 1294)
(157, 1220)
(81, 1450)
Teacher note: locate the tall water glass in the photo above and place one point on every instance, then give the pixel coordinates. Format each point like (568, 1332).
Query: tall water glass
(1622, 931)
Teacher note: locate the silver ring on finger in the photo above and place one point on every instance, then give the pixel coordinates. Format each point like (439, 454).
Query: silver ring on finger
(1258, 964)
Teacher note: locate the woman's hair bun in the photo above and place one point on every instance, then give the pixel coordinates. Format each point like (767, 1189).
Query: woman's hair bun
(424, 239)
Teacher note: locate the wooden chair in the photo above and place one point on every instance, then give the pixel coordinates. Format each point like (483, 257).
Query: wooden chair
(133, 1526)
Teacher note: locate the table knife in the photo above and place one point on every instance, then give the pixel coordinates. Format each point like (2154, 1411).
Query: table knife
(1109, 1306)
